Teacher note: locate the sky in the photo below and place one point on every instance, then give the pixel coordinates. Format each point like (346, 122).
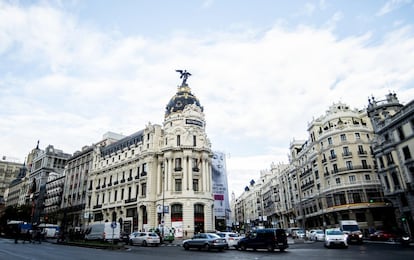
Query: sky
(70, 71)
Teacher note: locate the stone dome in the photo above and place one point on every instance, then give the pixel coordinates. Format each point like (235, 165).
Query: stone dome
(181, 99)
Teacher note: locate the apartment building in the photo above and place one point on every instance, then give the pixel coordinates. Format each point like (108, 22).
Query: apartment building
(331, 176)
(393, 147)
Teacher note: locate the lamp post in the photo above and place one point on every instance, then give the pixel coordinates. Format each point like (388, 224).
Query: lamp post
(163, 200)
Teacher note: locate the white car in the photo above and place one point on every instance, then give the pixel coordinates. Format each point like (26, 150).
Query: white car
(231, 238)
(335, 238)
(318, 235)
(144, 238)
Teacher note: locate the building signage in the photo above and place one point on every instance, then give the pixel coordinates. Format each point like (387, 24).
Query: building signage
(194, 122)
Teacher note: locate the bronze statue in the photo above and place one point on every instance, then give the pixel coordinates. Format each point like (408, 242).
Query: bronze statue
(184, 75)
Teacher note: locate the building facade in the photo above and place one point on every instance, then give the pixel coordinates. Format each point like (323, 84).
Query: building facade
(9, 171)
(160, 175)
(331, 176)
(44, 162)
(393, 148)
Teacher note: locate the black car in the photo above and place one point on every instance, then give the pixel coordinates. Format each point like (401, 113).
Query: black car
(354, 237)
(266, 238)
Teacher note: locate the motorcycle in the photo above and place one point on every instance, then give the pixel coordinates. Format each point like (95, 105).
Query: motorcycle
(405, 240)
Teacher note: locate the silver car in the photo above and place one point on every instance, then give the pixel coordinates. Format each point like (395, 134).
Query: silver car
(205, 240)
(144, 238)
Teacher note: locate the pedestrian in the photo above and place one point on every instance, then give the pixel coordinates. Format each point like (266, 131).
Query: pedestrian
(16, 233)
(27, 236)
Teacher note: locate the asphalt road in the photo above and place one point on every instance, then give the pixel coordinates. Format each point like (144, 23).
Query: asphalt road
(306, 251)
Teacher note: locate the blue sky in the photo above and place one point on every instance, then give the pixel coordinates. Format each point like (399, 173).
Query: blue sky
(72, 70)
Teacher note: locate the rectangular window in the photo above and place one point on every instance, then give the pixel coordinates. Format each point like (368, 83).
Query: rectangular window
(338, 180)
(330, 140)
(400, 132)
(335, 168)
(352, 179)
(143, 189)
(346, 151)
(357, 136)
(333, 155)
(178, 185)
(364, 164)
(122, 194)
(116, 195)
(195, 185)
(406, 152)
(178, 140)
(349, 165)
(178, 164)
(194, 140)
(390, 159)
(343, 137)
(367, 177)
(361, 149)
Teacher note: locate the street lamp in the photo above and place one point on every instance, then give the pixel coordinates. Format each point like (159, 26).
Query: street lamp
(163, 200)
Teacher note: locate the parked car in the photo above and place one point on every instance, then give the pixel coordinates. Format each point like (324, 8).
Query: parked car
(205, 240)
(317, 235)
(382, 235)
(124, 237)
(335, 238)
(144, 239)
(266, 238)
(231, 238)
(299, 234)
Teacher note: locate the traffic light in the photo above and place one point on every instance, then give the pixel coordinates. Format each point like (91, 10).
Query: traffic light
(371, 200)
(403, 219)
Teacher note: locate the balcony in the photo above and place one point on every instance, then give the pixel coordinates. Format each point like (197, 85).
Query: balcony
(332, 157)
(116, 182)
(143, 174)
(104, 186)
(137, 177)
(109, 184)
(196, 169)
(362, 153)
(123, 181)
(129, 178)
(178, 169)
(97, 187)
(97, 206)
(348, 154)
(131, 200)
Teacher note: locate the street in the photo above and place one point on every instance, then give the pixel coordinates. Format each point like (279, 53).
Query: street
(308, 251)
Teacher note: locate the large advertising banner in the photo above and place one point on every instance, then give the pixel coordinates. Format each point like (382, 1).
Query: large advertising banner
(220, 187)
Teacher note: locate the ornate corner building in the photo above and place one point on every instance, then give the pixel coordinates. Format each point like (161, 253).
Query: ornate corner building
(393, 146)
(160, 175)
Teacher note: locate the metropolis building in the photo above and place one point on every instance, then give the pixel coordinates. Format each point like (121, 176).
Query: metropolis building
(160, 175)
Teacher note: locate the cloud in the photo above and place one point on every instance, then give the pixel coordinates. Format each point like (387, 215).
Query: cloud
(67, 83)
(392, 5)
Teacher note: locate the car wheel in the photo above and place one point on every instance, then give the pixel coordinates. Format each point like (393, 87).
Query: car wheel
(131, 243)
(243, 247)
(144, 243)
(282, 250)
(270, 248)
(186, 246)
(207, 247)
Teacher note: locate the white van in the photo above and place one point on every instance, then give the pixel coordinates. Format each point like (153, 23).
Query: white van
(108, 231)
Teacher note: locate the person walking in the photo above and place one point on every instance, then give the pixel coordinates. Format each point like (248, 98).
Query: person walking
(16, 233)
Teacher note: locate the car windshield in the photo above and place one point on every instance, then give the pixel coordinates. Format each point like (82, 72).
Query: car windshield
(334, 232)
(319, 232)
(213, 236)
